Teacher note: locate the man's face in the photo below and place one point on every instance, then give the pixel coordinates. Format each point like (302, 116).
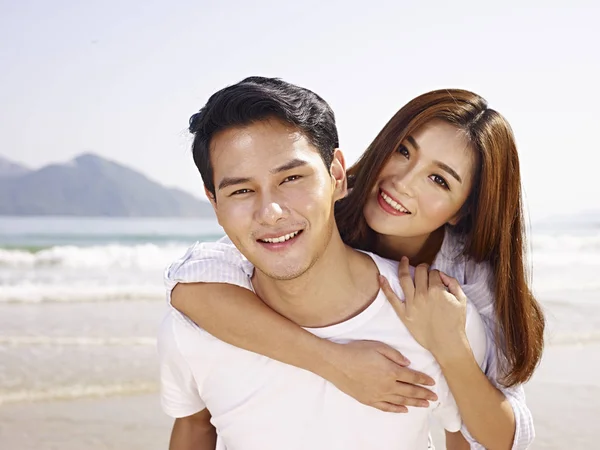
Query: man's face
(274, 196)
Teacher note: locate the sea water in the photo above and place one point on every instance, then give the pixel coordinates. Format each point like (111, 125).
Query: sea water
(81, 298)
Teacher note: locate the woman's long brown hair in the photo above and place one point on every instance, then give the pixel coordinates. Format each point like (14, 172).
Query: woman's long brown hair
(492, 218)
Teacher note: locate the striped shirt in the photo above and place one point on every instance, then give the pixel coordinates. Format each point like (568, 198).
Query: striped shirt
(221, 262)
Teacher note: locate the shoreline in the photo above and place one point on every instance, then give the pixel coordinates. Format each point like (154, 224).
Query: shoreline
(564, 397)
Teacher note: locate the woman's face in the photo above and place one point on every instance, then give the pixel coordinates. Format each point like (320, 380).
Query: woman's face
(424, 183)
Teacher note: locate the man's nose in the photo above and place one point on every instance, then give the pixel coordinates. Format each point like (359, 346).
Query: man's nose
(270, 212)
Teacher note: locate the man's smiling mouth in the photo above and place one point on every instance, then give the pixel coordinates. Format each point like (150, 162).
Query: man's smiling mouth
(279, 239)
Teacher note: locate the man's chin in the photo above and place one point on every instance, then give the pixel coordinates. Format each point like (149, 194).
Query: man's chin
(283, 273)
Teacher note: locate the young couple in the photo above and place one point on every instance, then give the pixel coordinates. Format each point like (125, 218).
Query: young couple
(308, 328)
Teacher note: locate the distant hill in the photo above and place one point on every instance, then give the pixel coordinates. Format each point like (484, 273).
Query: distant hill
(11, 169)
(91, 186)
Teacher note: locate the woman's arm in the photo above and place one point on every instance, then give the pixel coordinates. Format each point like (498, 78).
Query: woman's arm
(485, 411)
(438, 323)
(371, 372)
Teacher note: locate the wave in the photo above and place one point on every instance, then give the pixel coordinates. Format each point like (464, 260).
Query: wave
(76, 340)
(141, 256)
(566, 242)
(64, 293)
(565, 339)
(156, 256)
(74, 392)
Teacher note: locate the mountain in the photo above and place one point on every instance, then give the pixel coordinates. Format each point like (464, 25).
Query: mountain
(92, 186)
(11, 169)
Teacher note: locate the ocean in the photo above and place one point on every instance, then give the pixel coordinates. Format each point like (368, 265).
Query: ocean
(81, 300)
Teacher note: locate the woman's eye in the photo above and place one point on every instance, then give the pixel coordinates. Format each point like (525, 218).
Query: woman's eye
(403, 151)
(439, 180)
(291, 178)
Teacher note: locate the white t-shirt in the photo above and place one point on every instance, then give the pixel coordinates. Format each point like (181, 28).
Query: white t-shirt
(258, 403)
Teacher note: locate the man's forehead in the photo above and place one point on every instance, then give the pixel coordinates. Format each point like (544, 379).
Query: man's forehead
(260, 144)
(267, 130)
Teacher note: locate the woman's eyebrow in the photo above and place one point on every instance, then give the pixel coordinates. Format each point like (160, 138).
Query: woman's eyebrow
(448, 169)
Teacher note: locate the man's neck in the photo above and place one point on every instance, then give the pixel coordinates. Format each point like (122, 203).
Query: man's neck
(341, 284)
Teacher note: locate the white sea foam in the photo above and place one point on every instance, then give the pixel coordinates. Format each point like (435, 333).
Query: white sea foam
(142, 256)
(564, 242)
(77, 391)
(76, 340)
(85, 274)
(64, 292)
(97, 273)
(574, 338)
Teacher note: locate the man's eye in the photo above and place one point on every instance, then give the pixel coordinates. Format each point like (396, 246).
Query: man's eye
(241, 191)
(291, 178)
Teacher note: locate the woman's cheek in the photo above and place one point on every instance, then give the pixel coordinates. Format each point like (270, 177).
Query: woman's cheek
(437, 210)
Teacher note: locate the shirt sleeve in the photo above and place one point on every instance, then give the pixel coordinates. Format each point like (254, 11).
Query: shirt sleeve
(179, 392)
(210, 262)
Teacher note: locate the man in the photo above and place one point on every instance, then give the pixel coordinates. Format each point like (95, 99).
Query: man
(267, 153)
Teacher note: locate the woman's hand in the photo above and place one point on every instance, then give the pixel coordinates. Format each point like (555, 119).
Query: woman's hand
(376, 375)
(434, 310)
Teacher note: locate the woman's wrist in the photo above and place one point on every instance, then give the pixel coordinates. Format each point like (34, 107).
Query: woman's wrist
(453, 351)
(323, 358)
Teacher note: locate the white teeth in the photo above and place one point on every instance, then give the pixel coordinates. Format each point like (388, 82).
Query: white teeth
(397, 206)
(284, 238)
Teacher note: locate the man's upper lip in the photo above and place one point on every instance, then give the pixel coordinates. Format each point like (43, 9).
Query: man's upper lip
(395, 199)
(277, 234)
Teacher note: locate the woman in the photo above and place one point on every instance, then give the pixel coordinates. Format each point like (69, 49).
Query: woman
(439, 185)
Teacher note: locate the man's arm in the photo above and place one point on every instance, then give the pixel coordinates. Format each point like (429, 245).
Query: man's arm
(193, 432)
(456, 441)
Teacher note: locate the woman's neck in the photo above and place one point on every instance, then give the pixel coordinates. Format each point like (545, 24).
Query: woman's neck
(418, 249)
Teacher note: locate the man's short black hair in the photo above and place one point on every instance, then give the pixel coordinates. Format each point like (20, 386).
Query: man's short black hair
(259, 98)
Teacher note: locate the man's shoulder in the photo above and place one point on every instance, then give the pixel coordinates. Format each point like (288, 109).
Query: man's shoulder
(387, 267)
(178, 332)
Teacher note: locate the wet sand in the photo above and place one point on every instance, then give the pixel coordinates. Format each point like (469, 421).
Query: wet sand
(564, 397)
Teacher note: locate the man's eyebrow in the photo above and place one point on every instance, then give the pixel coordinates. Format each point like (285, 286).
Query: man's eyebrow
(230, 181)
(292, 164)
(448, 169)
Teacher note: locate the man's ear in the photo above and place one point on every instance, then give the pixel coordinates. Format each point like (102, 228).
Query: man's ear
(338, 173)
(211, 198)
(213, 201)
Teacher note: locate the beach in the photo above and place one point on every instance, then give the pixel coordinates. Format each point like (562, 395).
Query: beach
(120, 408)
(78, 362)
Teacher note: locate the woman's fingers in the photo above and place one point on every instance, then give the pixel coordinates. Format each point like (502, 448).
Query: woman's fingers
(390, 407)
(453, 287)
(408, 401)
(421, 280)
(411, 377)
(394, 300)
(406, 282)
(435, 280)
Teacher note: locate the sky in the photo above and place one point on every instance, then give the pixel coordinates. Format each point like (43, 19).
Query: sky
(121, 78)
